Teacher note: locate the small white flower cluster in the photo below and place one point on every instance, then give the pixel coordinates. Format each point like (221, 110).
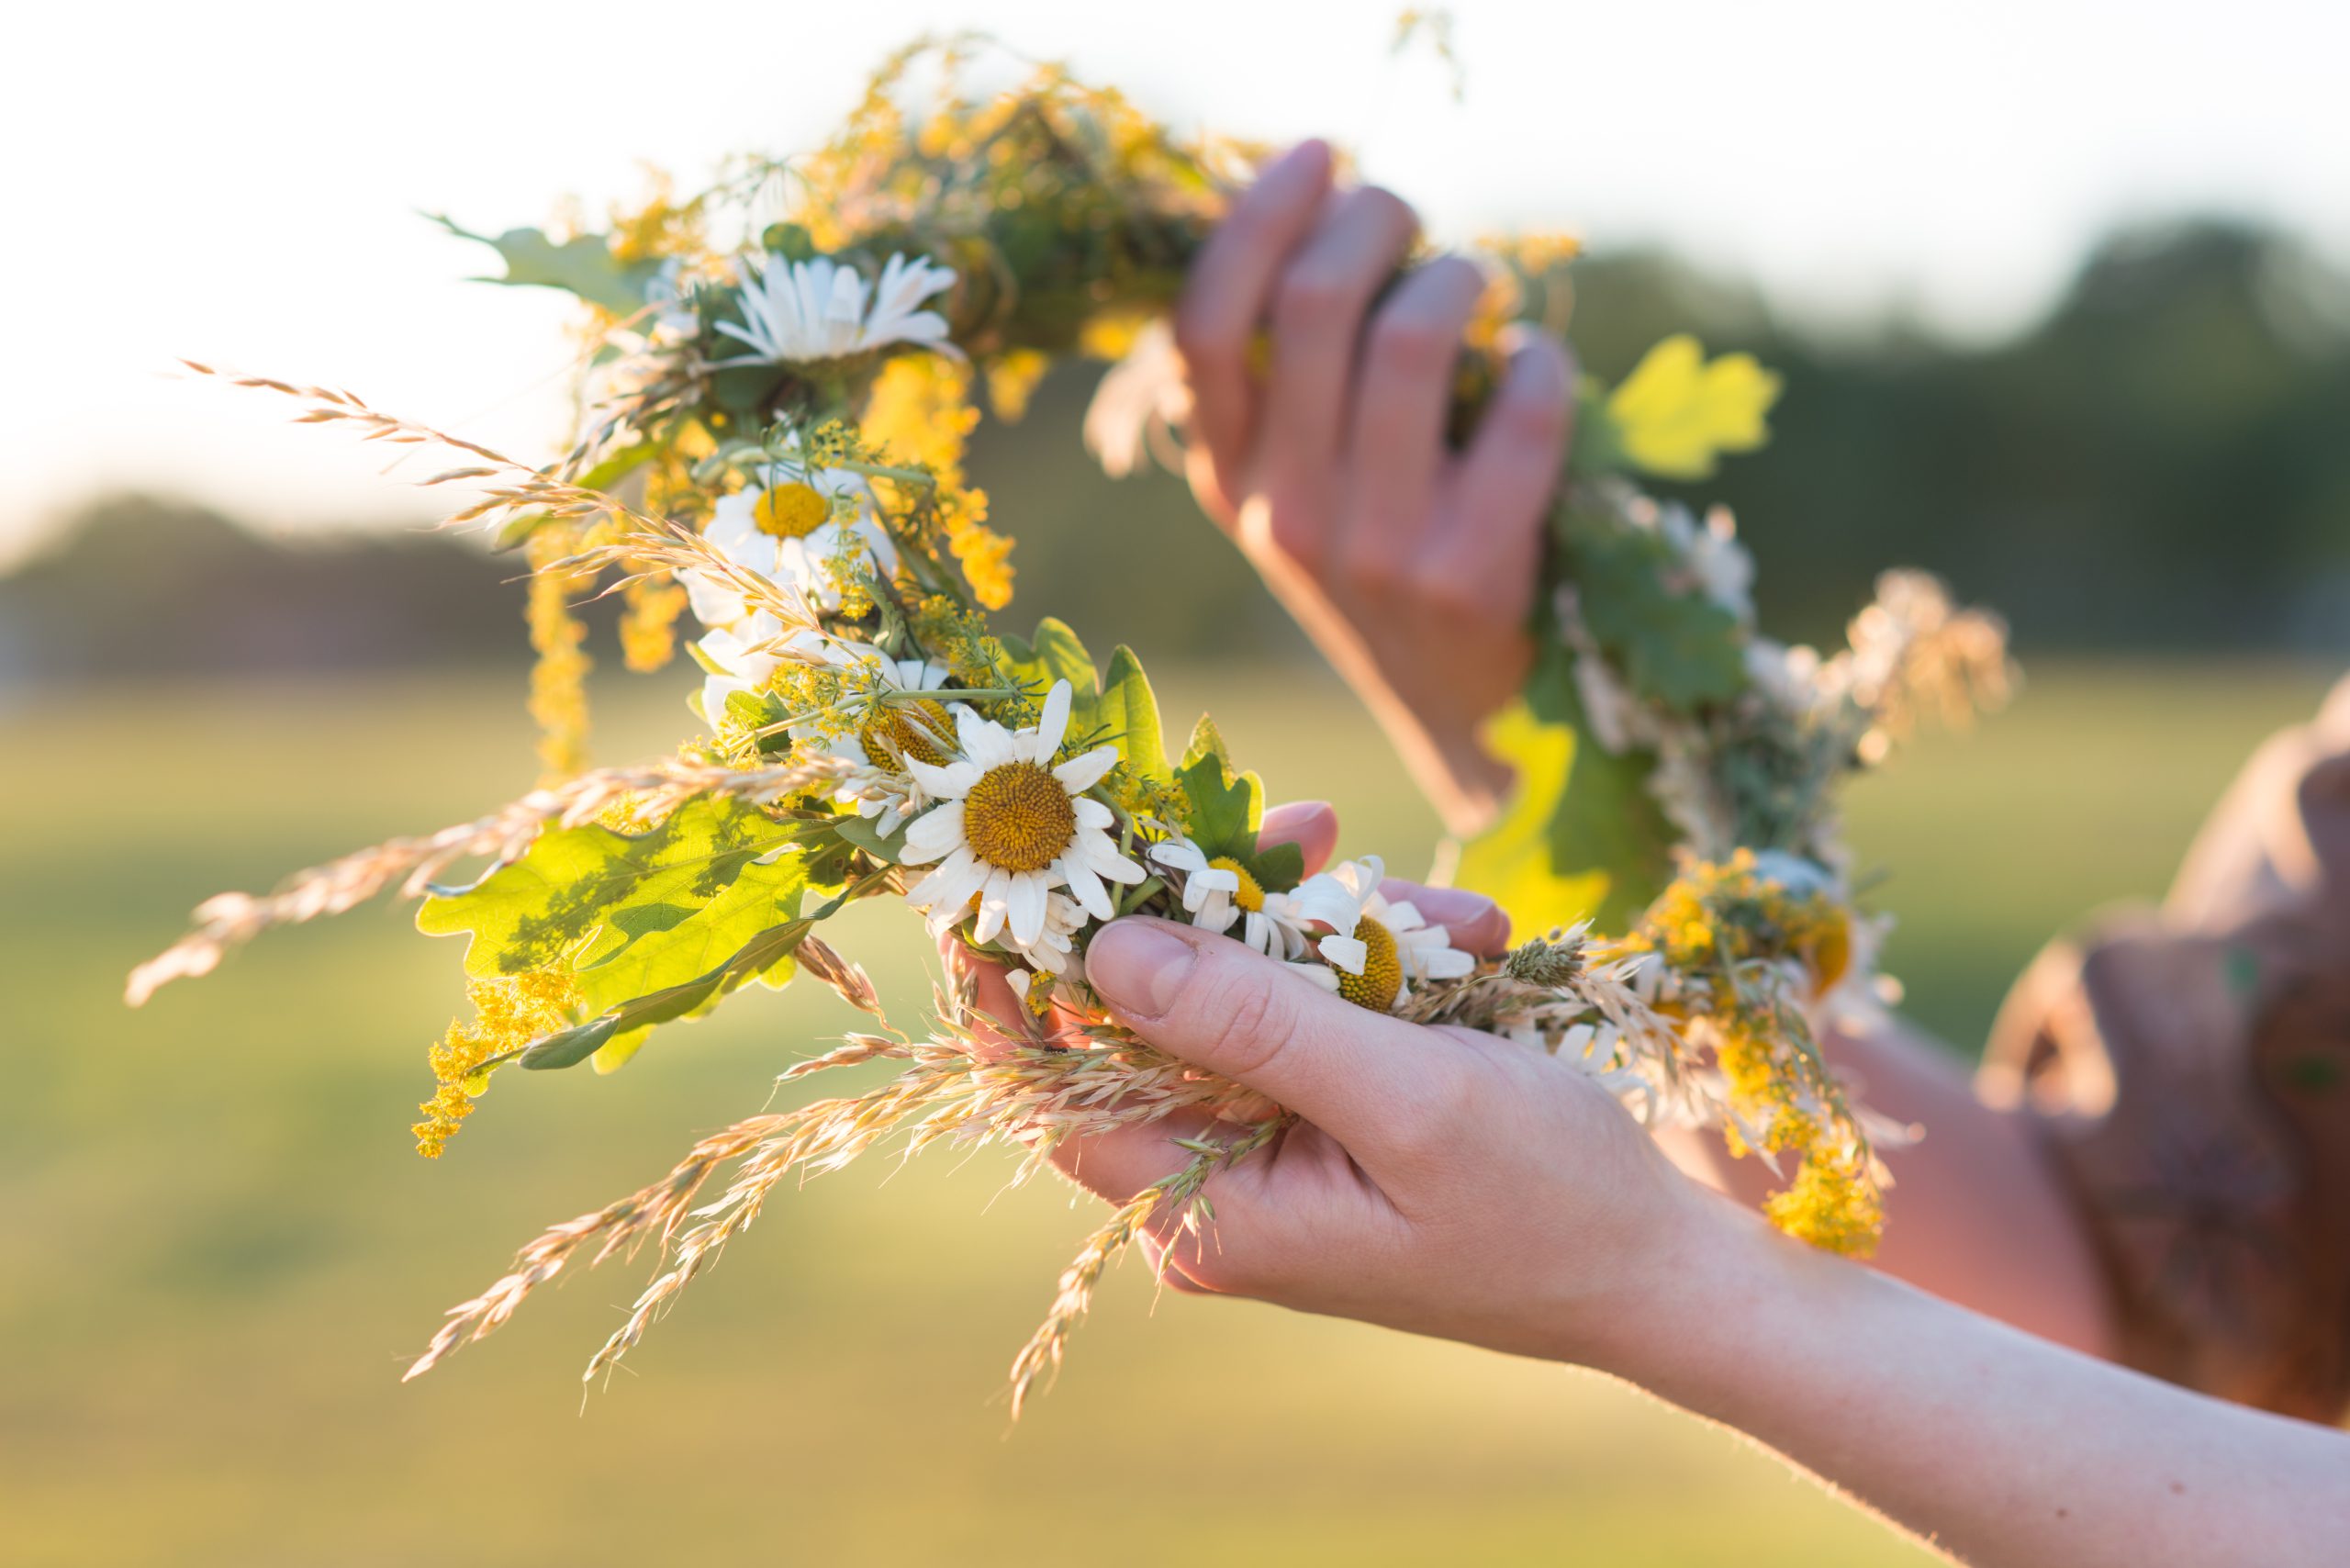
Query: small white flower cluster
(1337, 926)
(803, 312)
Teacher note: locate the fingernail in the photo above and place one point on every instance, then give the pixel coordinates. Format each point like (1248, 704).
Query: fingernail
(1138, 965)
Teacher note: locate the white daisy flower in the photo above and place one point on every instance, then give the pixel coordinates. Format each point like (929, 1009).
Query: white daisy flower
(1011, 826)
(1377, 948)
(795, 312)
(789, 535)
(739, 658)
(892, 734)
(1220, 892)
(1210, 889)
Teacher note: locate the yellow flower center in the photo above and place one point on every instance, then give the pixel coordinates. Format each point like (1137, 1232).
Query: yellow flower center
(1383, 968)
(1018, 817)
(894, 729)
(1250, 896)
(791, 511)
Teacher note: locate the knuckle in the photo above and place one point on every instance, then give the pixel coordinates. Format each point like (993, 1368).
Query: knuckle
(1452, 596)
(1201, 337)
(1412, 345)
(1538, 418)
(1391, 206)
(1309, 299)
(1375, 574)
(1243, 1026)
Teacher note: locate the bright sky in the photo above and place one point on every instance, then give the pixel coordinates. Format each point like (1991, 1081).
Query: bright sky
(239, 180)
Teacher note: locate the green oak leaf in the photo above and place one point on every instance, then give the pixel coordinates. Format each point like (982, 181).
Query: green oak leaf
(1054, 653)
(1581, 835)
(765, 953)
(663, 955)
(1206, 741)
(1225, 808)
(628, 914)
(578, 894)
(1278, 867)
(1679, 647)
(582, 265)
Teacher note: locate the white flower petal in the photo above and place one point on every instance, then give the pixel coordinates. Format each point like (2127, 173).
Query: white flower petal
(1086, 887)
(1344, 952)
(1446, 963)
(1027, 907)
(995, 902)
(1053, 724)
(1182, 855)
(935, 832)
(951, 782)
(1081, 774)
(950, 887)
(1103, 856)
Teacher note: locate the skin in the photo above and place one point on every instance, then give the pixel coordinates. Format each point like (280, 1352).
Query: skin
(1410, 565)
(1450, 1183)
(1413, 566)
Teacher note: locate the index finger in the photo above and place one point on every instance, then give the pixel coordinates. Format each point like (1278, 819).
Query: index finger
(1229, 290)
(1365, 1077)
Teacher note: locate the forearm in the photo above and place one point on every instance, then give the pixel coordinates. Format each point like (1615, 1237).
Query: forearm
(1997, 1447)
(1977, 1214)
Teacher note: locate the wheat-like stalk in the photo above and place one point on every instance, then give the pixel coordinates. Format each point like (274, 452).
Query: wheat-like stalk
(643, 544)
(651, 789)
(1038, 1097)
(1180, 1193)
(617, 1226)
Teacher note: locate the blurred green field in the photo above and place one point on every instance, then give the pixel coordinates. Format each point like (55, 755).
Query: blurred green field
(219, 1250)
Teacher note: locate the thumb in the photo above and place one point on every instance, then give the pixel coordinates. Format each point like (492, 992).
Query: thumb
(1362, 1076)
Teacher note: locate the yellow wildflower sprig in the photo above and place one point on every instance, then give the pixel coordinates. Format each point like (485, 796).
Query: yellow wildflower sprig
(1749, 955)
(509, 1012)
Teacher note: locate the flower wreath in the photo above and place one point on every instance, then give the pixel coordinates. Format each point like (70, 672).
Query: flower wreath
(771, 434)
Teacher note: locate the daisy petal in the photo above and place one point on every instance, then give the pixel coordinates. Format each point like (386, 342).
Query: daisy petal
(1054, 725)
(1080, 774)
(1344, 952)
(1028, 908)
(935, 832)
(1086, 887)
(994, 905)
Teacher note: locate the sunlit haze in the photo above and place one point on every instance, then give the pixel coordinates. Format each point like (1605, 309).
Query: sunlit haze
(241, 182)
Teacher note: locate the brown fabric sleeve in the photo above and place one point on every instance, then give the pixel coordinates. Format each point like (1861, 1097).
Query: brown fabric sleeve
(2192, 1067)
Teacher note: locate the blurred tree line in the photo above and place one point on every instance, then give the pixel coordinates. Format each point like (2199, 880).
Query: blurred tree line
(2162, 462)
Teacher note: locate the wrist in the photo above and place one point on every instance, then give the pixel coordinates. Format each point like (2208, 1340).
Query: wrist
(1709, 1279)
(1466, 783)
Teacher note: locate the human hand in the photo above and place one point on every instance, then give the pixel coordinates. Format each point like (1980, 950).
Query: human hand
(1410, 565)
(1441, 1182)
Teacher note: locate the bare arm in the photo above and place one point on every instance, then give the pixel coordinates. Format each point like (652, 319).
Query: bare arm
(1992, 1445)
(1977, 1214)
(1413, 566)
(1452, 1184)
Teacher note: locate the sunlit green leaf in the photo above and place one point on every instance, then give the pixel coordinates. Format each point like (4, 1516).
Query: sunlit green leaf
(582, 265)
(1581, 835)
(1131, 711)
